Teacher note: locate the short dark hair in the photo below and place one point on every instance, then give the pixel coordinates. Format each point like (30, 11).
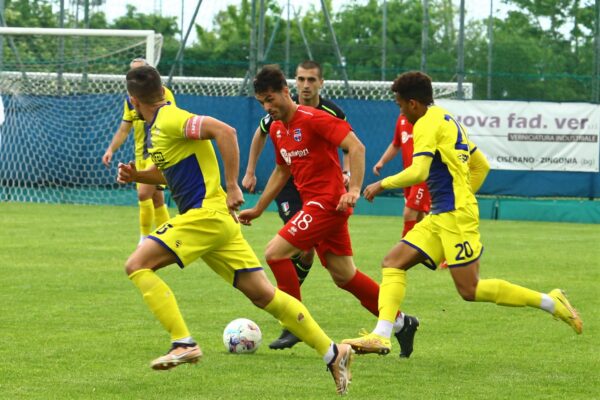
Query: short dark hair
(144, 84)
(414, 85)
(311, 64)
(269, 77)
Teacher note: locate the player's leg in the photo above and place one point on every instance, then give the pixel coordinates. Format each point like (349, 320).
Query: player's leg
(235, 262)
(289, 204)
(157, 295)
(410, 216)
(296, 317)
(144, 193)
(462, 248)
(161, 212)
(346, 276)
(419, 246)
(278, 255)
(504, 293)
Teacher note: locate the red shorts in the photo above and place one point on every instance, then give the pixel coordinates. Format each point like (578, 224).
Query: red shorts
(417, 197)
(325, 230)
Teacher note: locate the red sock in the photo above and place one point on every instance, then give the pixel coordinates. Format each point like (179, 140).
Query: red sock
(364, 289)
(408, 225)
(286, 277)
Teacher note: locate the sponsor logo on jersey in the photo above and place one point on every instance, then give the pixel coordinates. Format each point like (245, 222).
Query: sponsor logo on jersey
(278, 134)
(288, 155)
(297, 135)
(158, 159)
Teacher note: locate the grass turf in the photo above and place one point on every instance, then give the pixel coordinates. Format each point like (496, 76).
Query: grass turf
(74, 327)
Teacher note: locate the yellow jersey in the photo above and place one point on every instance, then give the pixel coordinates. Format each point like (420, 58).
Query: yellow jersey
(139, 135)
(438, 135)
(189, 166)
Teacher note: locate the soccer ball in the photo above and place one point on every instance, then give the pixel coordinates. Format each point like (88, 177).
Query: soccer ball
(242, 336)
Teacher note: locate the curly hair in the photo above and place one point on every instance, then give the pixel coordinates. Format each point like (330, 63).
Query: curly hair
(414, 85)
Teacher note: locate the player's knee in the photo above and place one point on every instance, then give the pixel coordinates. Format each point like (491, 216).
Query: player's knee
(467, 293)
(132, 265)
(391, 262)
(273, 253)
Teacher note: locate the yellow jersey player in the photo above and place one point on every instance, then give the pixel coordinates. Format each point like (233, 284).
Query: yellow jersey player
(442, 153)
(206, 226)
(153, 210)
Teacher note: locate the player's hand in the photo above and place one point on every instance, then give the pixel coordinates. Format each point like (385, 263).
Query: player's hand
(246, 216)
(347, 200)
(235, 199)
(107, 158)
(377, 168)
(249, 182)
(372, 190)
(126, 172)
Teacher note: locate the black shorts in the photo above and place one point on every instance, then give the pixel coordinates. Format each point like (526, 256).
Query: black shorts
(288, 201)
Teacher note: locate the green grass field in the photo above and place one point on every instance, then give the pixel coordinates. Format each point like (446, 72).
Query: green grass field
(73, 327)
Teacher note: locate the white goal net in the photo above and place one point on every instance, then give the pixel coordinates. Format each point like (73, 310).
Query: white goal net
(63, 98)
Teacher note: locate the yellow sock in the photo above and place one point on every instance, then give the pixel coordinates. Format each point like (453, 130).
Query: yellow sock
(505, 293)
(391, 293)
(161, 301)
(161, 215)
(295, 317)
(146, 216)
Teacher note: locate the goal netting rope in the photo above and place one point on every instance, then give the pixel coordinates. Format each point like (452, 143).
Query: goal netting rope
(63, 101)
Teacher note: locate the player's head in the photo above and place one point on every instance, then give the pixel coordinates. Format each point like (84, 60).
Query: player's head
(309, 80)
(144, 86)
(414, 94)
(138, 62)
(272, 92)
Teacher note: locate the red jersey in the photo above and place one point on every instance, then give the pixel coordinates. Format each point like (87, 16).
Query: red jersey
(403, 137)
(308, 145)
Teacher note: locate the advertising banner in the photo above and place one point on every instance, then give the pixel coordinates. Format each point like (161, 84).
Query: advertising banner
(535, 136)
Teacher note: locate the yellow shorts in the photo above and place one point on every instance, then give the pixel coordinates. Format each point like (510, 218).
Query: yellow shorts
(141, 164)
(452, 236)
(211, 235)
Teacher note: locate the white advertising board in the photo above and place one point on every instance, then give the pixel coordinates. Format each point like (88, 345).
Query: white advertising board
(535, 136)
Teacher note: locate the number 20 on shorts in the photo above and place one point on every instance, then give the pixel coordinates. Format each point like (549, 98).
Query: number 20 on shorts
(464, 249)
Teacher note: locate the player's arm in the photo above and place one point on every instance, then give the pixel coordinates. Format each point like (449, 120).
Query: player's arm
(356, 155)
(280, 175)
(256, 147)
(206, 128)
(346, 168)
(127, 173)
(116, 142)
(389, 154)
(417, 172)
(479, 168)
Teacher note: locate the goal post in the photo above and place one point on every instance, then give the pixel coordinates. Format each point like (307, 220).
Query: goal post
(63, 92)
(152, 39)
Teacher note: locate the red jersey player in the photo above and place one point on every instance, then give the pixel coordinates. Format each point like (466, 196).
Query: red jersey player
(306, 142)
(417, 201)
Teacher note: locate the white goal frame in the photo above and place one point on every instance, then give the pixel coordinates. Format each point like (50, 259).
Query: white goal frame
(150, 36)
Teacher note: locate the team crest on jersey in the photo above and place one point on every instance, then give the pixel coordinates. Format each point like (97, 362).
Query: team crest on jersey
(297, 134)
